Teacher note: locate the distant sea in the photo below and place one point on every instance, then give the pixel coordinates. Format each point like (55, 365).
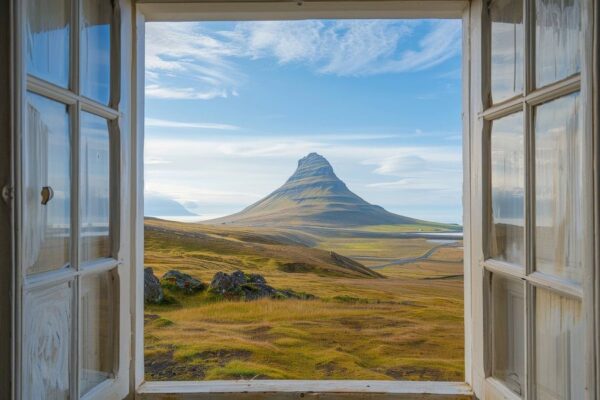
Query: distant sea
(187, 218)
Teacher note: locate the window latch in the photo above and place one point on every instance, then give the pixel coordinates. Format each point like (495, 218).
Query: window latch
(47, 194)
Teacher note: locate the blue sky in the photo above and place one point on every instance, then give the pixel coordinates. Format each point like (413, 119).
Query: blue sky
(232, 106)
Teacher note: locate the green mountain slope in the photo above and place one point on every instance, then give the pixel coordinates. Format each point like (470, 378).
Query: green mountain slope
(315, 196)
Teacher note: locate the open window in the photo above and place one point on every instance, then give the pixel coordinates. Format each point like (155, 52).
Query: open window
(73, 323)
(530, 198)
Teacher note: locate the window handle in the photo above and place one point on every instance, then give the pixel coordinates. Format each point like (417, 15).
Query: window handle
(47, 194)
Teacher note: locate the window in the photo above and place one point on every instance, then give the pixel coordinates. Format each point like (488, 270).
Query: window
(70, 269)
(539, 156)
(535, 60)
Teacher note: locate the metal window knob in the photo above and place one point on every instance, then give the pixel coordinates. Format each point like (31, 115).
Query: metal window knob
(47, 194)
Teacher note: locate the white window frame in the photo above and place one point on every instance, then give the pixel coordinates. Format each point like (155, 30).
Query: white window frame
(483, 112)
(133, 17)
(147, 11)
(117, 113)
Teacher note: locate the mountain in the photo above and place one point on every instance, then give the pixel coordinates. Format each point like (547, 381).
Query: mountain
(162, 206)
(314, 196)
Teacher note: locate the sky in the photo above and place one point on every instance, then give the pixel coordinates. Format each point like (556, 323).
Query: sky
(232, 106)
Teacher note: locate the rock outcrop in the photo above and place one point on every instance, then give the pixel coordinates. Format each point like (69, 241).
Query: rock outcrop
(177, 280)
(239, 285)
(153, 292)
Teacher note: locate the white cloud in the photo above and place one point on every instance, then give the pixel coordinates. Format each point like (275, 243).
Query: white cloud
(188, 93)
(162, 123)
(189, 61)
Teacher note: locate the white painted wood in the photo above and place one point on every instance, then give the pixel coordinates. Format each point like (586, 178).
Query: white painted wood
(494, 389)
(206, 10)
(466, 198)
(595, 105)
(6, 204)
(587, 292)
(290, 10)
(299, 388)
(137, 213)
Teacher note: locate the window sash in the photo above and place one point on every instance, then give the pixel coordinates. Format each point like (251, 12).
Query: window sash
(526, 102)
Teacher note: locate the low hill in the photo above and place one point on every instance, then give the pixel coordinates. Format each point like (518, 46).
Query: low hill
(171, 244)
(315, 196)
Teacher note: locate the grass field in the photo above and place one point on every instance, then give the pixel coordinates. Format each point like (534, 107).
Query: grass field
(405, 324)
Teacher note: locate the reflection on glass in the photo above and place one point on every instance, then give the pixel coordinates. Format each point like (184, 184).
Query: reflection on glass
(561, 186)
(46, 154)
(95, 49)
(94, 185)
(508, 332)
(48, 40)
(97, 329)
(508, 188)
(47, 342)
(557, 40)
(560, 372)
(506, 48)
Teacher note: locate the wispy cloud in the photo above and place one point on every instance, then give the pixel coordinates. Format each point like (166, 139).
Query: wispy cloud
(191, 61)
(163, 123)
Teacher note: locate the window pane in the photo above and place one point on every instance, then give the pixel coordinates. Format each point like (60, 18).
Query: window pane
(47, 178)
(47, 317)
(508, 332)
(48, 30)
(557, 40)
(560, 188)
(94, 187)
(97, 329)
(508, 188)
(506, 48)
(95, 49)
(560, 366)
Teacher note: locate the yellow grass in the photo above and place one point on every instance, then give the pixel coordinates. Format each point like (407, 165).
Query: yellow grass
(406, 326)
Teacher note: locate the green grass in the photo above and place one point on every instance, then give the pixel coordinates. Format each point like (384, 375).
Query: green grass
(406, 326)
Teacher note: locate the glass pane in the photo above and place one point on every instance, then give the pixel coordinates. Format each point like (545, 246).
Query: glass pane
(557, 40)
(47, 179)
(94, 187)
(560, 187)
(560, 365)
(47, 317)
(97, 329)
(508, 189)
(506, 48)
(95, 49)
(508, 319)
(48, 29)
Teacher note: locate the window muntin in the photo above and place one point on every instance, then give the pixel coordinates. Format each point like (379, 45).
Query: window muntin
(508, 189)
(94, 188)
(95, 43)
(48, 40)
(560, 185)
(47, 185)
(557, 40)
(506, 18)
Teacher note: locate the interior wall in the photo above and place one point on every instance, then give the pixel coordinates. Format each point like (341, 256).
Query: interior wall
(5, 206)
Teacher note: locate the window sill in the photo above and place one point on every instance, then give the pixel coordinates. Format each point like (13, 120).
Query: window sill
(294, 389)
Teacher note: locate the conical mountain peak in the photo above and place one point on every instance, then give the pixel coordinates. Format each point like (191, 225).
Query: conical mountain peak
(313, 196)
(312, 165)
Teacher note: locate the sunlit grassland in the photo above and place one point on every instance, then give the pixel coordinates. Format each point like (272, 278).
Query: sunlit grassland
(406, 326)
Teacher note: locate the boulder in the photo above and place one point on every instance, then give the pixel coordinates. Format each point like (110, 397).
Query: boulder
(153, 292)
(249, 287)
(177, 280)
